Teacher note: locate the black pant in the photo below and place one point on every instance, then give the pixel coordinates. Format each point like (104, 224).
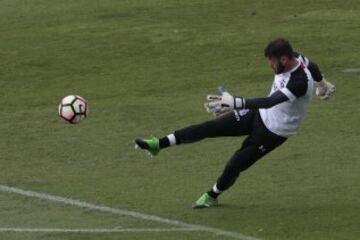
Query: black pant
(259, 142)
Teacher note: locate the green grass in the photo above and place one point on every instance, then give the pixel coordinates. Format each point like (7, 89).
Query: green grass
(145, 67)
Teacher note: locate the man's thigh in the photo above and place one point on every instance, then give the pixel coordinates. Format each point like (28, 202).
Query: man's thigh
(262, 138)
(234, 123)
(230, 124)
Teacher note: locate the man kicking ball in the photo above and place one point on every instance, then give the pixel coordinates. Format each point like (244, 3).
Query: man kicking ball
(268, 121)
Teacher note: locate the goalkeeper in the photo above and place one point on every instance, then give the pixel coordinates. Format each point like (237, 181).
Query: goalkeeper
(268, 121)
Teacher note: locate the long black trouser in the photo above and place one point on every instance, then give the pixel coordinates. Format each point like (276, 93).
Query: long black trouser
(259, 142)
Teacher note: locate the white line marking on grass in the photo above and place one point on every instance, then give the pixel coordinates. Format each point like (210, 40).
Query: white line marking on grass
(122, 212)
(95, 230)
(351, 70)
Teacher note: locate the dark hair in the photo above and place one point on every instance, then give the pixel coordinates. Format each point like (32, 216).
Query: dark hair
(278, 48)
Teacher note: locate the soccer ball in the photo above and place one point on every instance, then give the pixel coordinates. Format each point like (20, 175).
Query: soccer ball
(73, 109)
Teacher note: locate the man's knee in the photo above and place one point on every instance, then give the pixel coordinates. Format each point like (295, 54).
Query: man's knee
(243, 159)
(196, 132)
(212, 128)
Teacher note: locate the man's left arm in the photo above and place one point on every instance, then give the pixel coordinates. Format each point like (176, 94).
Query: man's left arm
(294, 89)
(226, 102)
(264, 102)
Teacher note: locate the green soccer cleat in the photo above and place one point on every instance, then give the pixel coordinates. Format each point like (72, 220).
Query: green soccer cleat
(152, 145)
(204, 201)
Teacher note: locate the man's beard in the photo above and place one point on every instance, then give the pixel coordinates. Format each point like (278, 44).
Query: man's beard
(280, 68)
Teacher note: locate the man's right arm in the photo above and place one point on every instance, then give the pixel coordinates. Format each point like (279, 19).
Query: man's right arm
(324, 89)
(315, 71)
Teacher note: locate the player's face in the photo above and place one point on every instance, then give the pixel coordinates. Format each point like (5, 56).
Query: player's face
(277, 65)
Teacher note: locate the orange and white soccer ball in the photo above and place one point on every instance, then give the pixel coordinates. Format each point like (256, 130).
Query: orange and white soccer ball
(73, 109)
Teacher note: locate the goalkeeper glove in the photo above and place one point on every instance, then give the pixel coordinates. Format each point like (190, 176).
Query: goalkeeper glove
(220, 104)
(324, 89)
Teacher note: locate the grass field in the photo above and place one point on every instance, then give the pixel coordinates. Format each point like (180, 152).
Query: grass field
(145, 67)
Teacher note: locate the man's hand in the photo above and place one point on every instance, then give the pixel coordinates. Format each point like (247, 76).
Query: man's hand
(214, 105)
(220, 104)
(324, 89)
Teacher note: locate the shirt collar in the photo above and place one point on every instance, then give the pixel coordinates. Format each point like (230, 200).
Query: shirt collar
(291, 70)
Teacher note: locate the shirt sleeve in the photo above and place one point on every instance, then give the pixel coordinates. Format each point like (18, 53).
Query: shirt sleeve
(265, 102)
(312, 66)
(295, 88)
(315, 71)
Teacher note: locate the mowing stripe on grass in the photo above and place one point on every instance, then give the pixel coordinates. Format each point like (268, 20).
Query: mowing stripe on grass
(351, 70)
(95, 230)
(122, 212)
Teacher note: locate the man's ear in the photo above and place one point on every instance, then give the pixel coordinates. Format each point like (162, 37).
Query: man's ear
(284, 60)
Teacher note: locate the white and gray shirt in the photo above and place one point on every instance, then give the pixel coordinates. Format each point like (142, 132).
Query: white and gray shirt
(297, 85)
